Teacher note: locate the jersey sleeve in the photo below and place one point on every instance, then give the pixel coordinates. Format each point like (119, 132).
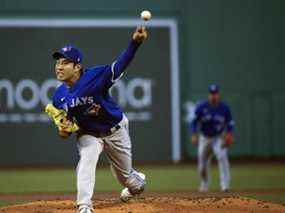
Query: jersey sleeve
(195, 122)
(59, 103)
(56, 100)
(58, 97)
(116, 70)
(229, 120)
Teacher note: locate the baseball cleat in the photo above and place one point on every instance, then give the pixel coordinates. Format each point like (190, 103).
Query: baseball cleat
(126, 195)
(85, 209)
(203, 188)
(225, 190)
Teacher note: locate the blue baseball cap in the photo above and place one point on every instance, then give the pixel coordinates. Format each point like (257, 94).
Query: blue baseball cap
(69, 52)
(213, 88)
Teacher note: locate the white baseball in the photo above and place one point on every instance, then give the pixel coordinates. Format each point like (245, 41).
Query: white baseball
(145, 15)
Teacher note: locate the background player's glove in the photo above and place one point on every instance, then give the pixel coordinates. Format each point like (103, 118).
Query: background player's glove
(194, 139)
(140, 34)
(228, 139)
(59, 117)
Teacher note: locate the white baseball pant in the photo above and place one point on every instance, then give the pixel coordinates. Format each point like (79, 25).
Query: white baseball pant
(208, 146)
(118, 150)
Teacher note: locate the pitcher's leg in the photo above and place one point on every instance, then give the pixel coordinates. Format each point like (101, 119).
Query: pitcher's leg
(120, 159)
(223, 163)
(89, 150)
(118, 150)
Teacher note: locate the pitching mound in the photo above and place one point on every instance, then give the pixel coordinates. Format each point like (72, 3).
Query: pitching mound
(152, 204)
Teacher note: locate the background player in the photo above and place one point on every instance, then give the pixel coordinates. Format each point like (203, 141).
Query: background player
(213, 120)
(84, 95)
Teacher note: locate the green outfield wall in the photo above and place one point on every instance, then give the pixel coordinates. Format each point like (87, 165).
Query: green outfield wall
(235, 43)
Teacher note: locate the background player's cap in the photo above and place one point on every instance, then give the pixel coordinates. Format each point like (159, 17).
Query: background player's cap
(213, 88)
(69, 52)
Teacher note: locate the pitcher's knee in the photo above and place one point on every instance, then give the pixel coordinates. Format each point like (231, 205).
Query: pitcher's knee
(136, 183)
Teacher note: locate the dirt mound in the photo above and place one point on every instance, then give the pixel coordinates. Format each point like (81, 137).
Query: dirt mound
(153, 204)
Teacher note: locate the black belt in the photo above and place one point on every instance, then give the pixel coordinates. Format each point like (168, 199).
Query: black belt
(98, 134)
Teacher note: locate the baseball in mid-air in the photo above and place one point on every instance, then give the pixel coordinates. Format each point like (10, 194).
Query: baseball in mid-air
(145, 15)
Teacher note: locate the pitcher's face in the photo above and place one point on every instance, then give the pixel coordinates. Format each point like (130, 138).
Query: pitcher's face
(65, 69)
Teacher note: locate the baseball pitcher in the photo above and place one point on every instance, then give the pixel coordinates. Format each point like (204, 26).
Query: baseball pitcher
(82, 104)
(213, 120)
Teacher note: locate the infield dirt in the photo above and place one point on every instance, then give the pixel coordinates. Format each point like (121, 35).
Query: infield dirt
(151, 204)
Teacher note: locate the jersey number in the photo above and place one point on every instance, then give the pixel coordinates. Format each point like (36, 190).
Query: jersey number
(94, 109)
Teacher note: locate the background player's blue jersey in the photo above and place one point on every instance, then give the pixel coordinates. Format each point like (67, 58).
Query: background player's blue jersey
(212, 120)
(88, 102)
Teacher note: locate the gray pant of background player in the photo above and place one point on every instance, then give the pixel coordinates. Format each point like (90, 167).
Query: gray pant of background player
(208, 146)
(118, 150)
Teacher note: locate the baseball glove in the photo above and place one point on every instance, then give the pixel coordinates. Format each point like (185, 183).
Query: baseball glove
(228, 140)
(60, 119)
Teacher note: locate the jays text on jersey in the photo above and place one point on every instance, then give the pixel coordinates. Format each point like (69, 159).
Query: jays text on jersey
(212, 120)
(88, 102)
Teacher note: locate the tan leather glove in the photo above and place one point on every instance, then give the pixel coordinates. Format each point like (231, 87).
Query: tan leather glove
(228, 140)
(194, 139)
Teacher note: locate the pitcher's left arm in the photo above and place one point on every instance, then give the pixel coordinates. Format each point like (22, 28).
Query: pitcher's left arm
(124, 59)
(229, 122)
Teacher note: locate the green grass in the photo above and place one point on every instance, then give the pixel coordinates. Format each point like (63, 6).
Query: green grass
(7, 203)
(160, 178)
(275, 198)
(32, 181)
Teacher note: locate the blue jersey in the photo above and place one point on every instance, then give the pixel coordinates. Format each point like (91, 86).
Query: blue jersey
(88, 101)
(212, 120)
